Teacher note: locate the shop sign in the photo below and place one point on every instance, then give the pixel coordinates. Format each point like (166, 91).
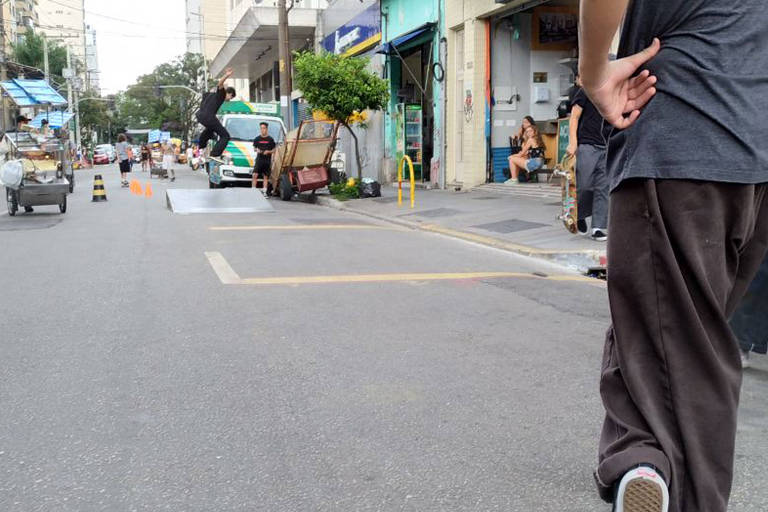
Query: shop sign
(357, 35)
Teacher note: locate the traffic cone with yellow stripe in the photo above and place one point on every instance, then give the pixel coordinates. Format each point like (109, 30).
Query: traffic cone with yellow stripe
(99, 194)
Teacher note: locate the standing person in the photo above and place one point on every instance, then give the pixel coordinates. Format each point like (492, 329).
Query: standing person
(689, 229)
(169, 154)
(210, 105)
(145, 156)
(265, 146)
(587, 141)
(123, 151)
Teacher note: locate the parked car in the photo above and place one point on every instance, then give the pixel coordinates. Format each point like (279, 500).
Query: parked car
(100, 157)
(109, 149)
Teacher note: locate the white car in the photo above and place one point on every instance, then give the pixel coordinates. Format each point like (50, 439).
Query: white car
(109, 149)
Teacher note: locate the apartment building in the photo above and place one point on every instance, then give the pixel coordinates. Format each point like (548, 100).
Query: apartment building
(26, 16)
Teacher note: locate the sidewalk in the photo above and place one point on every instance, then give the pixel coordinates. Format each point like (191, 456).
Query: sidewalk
(521, 219)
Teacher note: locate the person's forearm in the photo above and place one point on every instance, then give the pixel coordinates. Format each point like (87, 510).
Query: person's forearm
(573, 129)
(222, 81)
(598, 23)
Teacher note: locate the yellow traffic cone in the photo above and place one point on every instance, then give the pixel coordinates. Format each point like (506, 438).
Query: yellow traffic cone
(99, 194)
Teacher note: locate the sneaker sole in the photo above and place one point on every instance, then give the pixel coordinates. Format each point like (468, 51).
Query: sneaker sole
(643, 496)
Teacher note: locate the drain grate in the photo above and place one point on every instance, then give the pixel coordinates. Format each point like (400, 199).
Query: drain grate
(510, 226)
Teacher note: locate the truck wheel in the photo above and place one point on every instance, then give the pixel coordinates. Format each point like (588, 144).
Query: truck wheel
(212, 185)
(13, 202)
(63, 205)
(286, 189)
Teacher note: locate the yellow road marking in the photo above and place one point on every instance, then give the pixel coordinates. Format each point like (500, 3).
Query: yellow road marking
(294, 227)
(228, 276)
(224, 271)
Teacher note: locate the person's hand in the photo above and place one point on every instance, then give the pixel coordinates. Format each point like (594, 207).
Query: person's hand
(571, 150)
(616, 92)
(228, 72)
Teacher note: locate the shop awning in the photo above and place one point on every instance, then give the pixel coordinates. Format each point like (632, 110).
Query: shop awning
(32, 93)
(55, 119)
(390, 47)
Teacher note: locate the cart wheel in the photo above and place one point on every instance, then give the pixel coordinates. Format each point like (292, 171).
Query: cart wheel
(72, 183)
(286, 189)
(13, 202)
(63, 205)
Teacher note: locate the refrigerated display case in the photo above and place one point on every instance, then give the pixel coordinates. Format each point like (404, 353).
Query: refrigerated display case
(409, 136)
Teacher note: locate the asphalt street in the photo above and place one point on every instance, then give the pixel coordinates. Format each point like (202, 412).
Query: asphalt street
(297, 360)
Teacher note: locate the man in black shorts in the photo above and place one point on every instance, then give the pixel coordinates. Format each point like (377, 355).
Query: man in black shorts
(265, 146)
(688, 166)
(206, 115)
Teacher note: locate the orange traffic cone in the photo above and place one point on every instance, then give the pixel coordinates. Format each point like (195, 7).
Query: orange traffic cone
(99, 194)
(148, 190)
(137, 189)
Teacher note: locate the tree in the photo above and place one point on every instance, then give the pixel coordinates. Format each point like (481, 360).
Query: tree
(170, 109)
(29, 52)
(341, 87)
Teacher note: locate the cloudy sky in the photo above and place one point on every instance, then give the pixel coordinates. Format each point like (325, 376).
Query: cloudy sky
(135, 36)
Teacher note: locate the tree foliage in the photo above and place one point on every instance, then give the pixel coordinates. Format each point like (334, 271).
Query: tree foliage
(30, 52)
(341, 87)
(144, 106)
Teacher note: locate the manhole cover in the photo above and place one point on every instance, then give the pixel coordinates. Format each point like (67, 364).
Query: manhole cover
(489, 198)
(510, 226)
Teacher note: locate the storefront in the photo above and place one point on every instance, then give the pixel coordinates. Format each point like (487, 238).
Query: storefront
(511, 61)
(415, 50)
(353, 29)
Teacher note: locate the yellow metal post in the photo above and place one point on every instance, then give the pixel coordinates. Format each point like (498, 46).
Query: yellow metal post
(400, 181)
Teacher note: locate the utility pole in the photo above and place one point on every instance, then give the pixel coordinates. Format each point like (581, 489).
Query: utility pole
(45, 59)
(3, 65)
(284, 49)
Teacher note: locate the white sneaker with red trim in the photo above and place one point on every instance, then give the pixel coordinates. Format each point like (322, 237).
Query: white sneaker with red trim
(642, 490)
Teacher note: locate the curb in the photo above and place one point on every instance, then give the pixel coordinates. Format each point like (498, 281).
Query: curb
(580, 259)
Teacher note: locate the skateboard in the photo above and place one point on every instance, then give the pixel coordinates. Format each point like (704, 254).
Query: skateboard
(566, 169)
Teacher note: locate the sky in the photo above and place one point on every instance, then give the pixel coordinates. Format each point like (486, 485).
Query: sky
(135, 36)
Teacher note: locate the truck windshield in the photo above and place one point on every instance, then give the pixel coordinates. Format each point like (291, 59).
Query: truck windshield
(241, 128)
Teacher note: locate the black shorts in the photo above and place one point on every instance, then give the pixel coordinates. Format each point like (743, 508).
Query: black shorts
(125, 166)
(263, 169)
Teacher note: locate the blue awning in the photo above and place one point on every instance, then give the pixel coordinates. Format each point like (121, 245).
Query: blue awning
(31, 93)
(55, 119)
(388, 48)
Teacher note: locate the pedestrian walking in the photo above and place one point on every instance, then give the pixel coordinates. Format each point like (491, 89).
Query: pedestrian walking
(124, 155)
(145, 156)
(169, 154)
(265, 146)
(689, 229)
(587, 141)
(209, 107)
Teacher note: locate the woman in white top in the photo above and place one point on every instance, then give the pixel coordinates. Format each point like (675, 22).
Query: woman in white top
(168, 155)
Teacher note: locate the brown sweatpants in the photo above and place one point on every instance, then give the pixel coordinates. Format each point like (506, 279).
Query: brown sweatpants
(680, 256)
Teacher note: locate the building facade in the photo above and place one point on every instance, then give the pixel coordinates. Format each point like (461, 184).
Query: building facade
(415, 48)
(91, 61)
(26, 16)
(353, 28)
(64, 22)
(508, 61)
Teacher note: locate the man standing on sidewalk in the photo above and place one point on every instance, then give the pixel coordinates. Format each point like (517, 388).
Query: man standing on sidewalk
(689, 229)
(588, 133)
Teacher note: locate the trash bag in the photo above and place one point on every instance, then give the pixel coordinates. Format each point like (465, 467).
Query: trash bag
(11, 174)
(370, 188)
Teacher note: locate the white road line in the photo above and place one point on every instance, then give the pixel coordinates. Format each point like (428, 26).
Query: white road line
(224, 271)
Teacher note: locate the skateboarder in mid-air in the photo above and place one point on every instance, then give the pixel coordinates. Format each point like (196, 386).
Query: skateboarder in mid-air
(207, 116)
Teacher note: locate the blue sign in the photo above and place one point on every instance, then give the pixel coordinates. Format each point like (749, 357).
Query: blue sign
(357, 35)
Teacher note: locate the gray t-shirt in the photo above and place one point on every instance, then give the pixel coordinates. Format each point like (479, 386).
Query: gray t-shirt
(709, 119)
(122, 151)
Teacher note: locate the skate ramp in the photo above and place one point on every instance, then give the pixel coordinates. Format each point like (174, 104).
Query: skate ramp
(228, 200)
